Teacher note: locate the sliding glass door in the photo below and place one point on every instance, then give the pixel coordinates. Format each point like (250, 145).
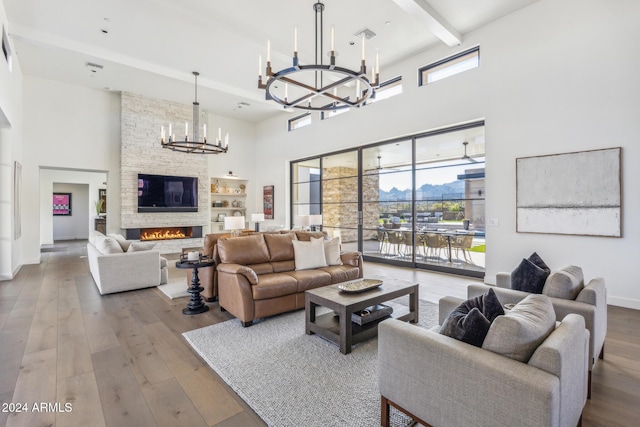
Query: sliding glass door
(387, 201)
(415, 201)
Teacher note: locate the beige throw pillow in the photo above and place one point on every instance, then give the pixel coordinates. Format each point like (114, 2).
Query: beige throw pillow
(522, 329)
(107, 245)
(136, 246)
(331, 250)
(124, 243)
(309, 255)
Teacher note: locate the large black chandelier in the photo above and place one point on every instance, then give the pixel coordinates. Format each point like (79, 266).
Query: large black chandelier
(195, 145)
(319, 86)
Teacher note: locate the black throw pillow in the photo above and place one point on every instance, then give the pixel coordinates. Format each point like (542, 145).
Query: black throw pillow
(470, 321)
(535, 258)
(528, 277)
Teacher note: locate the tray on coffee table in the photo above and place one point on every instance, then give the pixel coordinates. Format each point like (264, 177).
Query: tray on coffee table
(359, 285)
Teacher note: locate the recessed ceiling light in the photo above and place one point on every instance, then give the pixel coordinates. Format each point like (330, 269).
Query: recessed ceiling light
(387, 22)
(104, 31)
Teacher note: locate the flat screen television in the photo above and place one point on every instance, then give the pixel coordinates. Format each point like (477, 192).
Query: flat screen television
(162, 193)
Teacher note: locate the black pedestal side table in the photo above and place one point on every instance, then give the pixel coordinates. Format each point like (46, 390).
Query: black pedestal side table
(196, 303)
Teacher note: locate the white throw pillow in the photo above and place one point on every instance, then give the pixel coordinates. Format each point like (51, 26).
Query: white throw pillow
(107, 245)
(309, 255)
(136, 246)
(331, 250)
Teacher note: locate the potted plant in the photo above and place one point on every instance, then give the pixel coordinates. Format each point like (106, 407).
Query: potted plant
(99, 205)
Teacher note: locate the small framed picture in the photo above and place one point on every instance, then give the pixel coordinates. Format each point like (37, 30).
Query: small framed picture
(62, 203)
(221, 217)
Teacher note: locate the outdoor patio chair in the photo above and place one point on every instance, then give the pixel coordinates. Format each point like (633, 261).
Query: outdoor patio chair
(383, 241)
(395, 239)
(463, 243)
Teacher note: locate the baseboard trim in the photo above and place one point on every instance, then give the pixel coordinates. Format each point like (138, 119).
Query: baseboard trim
(11, 276)
(623, 302)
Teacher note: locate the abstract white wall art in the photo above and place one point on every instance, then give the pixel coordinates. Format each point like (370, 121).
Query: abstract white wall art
(570, 193)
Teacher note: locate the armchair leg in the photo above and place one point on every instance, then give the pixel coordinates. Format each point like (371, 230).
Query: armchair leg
(589, 387)
(246, 324)
(580, 421)
(384, 412)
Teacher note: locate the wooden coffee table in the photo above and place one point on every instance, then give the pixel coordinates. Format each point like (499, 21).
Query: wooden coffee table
(339, 328)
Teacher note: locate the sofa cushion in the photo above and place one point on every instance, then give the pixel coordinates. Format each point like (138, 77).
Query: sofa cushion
(310, 279)
(107, 245)
(280, 246)
(332, 251)
(341, 273)
(309, 254)
(470, 321)
(529, 277)
(280, 266)
(243, 250)
(565, 283)
(141, 246)
(274, 285)
(520, 331)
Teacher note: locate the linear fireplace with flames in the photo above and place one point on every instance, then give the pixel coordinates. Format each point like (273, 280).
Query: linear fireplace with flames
(164, 233)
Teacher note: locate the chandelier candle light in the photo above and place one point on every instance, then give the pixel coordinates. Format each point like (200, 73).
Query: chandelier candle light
(195, 145)
(306, 82)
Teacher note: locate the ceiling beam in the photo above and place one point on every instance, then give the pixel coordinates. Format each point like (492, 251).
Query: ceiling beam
(424, 13)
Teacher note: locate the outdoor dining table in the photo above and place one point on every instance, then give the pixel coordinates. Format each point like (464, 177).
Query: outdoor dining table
(448, 234)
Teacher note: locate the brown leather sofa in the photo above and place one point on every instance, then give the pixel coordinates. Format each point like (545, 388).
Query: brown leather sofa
(256, 275)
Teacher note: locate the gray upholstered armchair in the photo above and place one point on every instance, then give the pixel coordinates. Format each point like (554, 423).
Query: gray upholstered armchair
(568, 294)
(440, 381)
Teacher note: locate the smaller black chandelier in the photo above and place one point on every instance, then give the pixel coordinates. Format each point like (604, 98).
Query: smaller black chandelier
(345, 88)
(195, 145)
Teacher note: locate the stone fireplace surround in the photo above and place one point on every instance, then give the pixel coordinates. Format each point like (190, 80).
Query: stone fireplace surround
(141, 119)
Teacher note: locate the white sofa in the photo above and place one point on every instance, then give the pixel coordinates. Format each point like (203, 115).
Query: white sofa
(118, 271)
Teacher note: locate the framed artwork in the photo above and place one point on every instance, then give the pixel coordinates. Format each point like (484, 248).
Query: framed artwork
(17, 190)
(570, 193)
(61, 203)
(267, 201)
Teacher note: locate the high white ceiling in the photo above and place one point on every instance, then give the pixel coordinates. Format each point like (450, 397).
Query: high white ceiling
(150, 47)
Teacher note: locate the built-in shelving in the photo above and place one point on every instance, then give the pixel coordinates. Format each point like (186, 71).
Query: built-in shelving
(228, 197)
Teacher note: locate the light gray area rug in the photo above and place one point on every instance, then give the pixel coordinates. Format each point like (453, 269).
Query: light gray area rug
(293, 379)
(176, 286)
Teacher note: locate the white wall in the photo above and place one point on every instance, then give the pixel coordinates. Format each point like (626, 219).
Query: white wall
(241, 158)
(10, 152)
(70, 128)
(558, 76)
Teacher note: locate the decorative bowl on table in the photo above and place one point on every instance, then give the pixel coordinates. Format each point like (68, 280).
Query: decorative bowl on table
(359, 285)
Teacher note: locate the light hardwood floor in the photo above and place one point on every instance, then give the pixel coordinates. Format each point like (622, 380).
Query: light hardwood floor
(120, 359)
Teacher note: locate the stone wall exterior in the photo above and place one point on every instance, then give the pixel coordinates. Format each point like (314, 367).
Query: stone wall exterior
(141, 152)
(340, 202)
